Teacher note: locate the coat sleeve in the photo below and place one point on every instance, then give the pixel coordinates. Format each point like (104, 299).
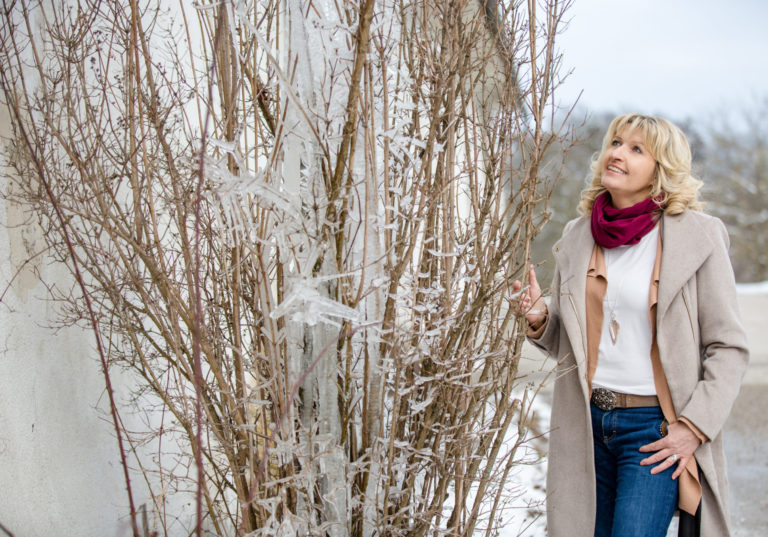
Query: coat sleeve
(723, 340)
(547, 337)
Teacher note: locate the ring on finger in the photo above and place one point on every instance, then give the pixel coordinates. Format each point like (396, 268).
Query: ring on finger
(674, 457)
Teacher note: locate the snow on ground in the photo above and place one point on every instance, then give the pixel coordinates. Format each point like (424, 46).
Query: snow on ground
(525, 514)
(531, 478)
(757, 288)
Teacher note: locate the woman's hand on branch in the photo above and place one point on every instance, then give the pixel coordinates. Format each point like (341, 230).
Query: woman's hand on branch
(531, 302)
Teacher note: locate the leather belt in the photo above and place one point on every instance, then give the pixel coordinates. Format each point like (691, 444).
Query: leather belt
(607, 400)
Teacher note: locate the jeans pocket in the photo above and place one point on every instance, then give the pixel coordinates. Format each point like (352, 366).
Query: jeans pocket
(663, 428)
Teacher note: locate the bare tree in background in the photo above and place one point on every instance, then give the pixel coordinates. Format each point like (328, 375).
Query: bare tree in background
(734, 167)
(298, 224)
(564, 189)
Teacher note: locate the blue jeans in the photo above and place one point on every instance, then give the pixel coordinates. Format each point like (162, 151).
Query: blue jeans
(631, 502)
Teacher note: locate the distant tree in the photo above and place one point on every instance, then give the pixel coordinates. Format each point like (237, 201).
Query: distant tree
(574, 153)
(734, 168)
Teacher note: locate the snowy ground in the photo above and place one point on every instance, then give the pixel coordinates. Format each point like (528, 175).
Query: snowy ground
(759, 288)
(746, 432)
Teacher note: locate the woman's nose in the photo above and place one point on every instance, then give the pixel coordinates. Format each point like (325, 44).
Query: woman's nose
(616, 152)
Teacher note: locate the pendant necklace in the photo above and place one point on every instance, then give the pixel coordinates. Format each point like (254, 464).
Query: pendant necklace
(613, 327)
(613, 324)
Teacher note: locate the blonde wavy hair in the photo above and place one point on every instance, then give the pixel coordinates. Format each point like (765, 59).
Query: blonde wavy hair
(673, 184)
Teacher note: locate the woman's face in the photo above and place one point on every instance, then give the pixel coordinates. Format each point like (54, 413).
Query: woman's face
(628, 168)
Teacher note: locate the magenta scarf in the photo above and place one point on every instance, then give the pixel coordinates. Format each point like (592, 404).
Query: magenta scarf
(612, 227)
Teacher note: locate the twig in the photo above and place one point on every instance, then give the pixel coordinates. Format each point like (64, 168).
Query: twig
(19, 270)
(8, 532)
(198, 305)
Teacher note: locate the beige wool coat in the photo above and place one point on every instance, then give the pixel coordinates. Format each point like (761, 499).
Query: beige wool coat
(703, 353)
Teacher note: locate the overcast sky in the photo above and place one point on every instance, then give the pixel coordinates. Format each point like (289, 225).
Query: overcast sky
(676, 58)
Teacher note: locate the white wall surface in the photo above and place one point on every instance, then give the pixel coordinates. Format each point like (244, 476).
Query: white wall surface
(60, 471)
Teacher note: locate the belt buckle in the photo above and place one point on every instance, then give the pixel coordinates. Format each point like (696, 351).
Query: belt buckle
(604, 399)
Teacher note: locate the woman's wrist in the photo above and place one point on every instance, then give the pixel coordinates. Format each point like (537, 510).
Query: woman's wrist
(538, 317)
(695, 430)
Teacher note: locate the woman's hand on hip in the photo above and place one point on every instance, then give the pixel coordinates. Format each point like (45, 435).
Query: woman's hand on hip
(531, 302)
(675, 448)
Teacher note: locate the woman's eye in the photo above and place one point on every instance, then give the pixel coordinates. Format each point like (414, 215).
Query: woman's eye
(637, 149)
(615, 143)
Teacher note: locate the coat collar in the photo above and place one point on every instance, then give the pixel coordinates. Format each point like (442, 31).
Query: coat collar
(685, 248)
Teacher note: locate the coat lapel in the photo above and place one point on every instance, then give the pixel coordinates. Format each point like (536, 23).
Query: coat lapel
(684, 251)
(572, 254)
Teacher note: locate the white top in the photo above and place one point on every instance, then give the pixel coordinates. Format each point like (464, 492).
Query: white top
(626, 365)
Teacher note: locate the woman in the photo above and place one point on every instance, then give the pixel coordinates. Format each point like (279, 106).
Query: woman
(644, 323)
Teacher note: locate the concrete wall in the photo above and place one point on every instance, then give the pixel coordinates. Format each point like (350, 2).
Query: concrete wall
(60, 470)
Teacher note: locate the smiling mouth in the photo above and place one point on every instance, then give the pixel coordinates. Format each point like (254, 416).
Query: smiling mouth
(614, 169)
